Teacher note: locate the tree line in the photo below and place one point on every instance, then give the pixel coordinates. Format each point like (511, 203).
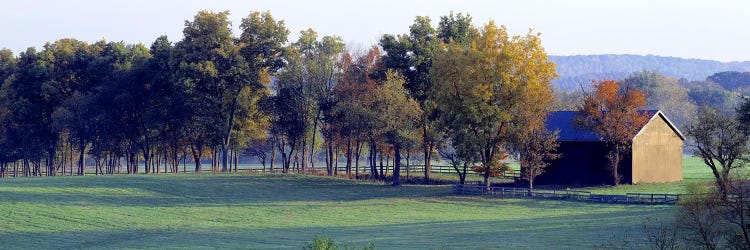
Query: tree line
(474, 93)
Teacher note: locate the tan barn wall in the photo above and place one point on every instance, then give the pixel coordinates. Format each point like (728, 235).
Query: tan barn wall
(657, 153)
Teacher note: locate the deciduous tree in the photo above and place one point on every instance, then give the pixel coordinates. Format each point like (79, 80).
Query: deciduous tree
(721, 142)
(665, 94)
(480, 89)
(615, 115)
(399, 114)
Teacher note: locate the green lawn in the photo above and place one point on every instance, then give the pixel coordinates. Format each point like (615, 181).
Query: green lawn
(693, 171)
(275, 211)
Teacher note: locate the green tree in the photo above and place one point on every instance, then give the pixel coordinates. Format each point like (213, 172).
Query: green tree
(399, 114)
(7, 69)
(664, 93)
(714, 96)
(28, 114)
(205, 59)
(316, 73)
(166, 106)
(7, 64)
(456, 28)
(260, 54)
(721, 143)
(44, 83)
(412, 55)
(286, 109)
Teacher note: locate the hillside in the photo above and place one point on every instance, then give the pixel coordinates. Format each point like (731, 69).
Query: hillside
(581, 69)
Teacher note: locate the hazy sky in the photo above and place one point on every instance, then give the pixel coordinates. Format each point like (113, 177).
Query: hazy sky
(717, 30)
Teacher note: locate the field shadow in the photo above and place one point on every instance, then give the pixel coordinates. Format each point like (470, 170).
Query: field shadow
(202, 190)
(566, 232)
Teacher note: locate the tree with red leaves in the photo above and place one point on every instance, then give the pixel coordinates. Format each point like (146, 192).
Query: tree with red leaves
(613, 114)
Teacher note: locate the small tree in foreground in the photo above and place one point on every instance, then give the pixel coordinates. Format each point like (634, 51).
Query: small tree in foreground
(613, 115)
(497, 167)
(536, 150)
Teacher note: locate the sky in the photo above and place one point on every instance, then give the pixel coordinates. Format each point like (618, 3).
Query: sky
(713, 30)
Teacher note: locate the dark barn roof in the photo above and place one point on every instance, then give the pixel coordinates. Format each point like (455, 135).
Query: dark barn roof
(563, 121)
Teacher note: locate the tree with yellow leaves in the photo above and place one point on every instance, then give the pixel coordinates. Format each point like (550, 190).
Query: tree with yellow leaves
(491, 89)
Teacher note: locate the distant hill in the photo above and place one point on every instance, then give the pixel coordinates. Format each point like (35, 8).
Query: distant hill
(581, 69)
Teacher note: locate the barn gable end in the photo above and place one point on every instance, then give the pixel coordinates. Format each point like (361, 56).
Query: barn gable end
(657, 152)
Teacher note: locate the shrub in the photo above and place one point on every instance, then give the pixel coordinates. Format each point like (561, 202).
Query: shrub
(324, 243)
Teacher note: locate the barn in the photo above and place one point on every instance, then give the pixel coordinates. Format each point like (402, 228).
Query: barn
(656, 153)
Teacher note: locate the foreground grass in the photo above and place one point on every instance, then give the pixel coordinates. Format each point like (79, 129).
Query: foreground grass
(274, 211)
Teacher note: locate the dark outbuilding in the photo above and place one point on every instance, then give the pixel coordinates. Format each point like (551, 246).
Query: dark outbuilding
(656, 153)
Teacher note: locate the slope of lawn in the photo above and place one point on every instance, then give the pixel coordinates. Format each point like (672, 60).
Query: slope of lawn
(275, 211)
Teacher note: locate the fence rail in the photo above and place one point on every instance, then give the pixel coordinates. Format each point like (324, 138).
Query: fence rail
(576, 195)
(10, 170)
(441, 169)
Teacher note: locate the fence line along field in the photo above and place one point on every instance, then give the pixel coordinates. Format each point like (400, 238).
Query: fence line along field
(285, 211)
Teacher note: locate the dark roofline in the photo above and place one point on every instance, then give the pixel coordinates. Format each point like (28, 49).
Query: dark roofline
(562, 121)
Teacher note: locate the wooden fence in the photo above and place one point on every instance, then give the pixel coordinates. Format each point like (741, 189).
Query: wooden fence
(441, 169)
(414, 169)
(575, 195)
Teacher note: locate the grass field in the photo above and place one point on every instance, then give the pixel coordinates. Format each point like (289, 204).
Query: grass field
(693, 171)
(275, 211)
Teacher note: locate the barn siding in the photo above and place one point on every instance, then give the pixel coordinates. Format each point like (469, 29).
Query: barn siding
(657, 153)
(580, 163)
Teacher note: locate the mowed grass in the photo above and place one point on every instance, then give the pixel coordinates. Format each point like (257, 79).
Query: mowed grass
(277, 211)
(693, 171)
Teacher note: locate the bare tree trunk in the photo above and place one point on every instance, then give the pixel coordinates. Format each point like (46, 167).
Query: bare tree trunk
(356, 159)
(373, 159)
(51, 160)
(82, 157)
(462, 176)
(329, 157)
(336, 160)
(312, 143)
(197, 158)
(407, 165)
(235, 161)
(382, 174)
(26, 171)
(304, 152)
(273, 154)
(224, 157)
(427, 154)
(396, 164)
(616, 166)
(349, 157)
(387, 162)
(158, 162)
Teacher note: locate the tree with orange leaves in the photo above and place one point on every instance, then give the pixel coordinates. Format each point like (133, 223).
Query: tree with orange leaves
(613, 114)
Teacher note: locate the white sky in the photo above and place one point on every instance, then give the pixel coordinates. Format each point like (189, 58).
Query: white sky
(716, 30)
